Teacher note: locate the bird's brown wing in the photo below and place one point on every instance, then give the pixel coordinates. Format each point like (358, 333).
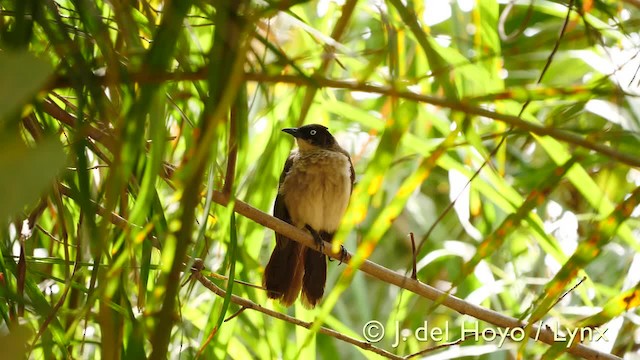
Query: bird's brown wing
(283, 274)
(353, 173)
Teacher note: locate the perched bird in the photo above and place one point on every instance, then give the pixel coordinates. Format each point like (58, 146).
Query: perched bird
(313, 194)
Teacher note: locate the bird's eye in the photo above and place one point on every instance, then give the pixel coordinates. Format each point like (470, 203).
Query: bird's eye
(312, 132)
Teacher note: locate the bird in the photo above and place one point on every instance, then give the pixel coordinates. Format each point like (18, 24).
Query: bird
(313, 194)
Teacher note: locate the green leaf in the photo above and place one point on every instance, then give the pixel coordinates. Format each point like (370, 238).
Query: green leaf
(13, 344)
(22, 74)
(26, 172)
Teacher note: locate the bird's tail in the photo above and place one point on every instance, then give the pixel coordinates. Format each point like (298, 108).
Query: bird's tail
(315, 277)
(315, 274)
(283, 274)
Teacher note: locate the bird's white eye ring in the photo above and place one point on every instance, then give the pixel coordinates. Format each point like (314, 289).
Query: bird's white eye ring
(312, 132)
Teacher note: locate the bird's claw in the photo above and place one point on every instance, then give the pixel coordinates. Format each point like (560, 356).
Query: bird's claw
(343, 255)
(317, 238)
(320, 242)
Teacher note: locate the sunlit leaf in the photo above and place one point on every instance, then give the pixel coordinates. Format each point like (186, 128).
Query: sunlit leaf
(23, 75)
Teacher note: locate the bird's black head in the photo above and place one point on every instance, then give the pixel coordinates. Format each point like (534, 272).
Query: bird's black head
(314, 135)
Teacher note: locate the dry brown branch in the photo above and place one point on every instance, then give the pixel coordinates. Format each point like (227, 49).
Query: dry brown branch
(415, 286)
(113, 218)
(50, 107)
(462, 106)
(196, 271)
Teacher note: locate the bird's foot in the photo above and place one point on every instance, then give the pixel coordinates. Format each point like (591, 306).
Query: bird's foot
(317, 238)
(343, 255)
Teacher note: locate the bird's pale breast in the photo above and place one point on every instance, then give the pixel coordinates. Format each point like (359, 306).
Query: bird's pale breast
(317, 189)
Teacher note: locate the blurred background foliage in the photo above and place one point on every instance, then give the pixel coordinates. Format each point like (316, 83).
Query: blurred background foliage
(502, 134)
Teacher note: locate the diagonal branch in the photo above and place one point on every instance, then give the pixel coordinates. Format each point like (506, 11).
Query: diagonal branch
(463, 307)
(198, 266)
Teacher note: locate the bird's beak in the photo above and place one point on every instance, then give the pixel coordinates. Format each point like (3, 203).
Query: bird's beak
(291, 131)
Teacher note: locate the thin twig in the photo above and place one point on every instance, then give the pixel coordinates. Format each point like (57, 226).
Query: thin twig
(569, 291)
(240, 311)
(51, 107)
(414, 255)
(556, 46)
(226, 278)
(196, 271)
(431, 349)
(114, 218)
(452, 203)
